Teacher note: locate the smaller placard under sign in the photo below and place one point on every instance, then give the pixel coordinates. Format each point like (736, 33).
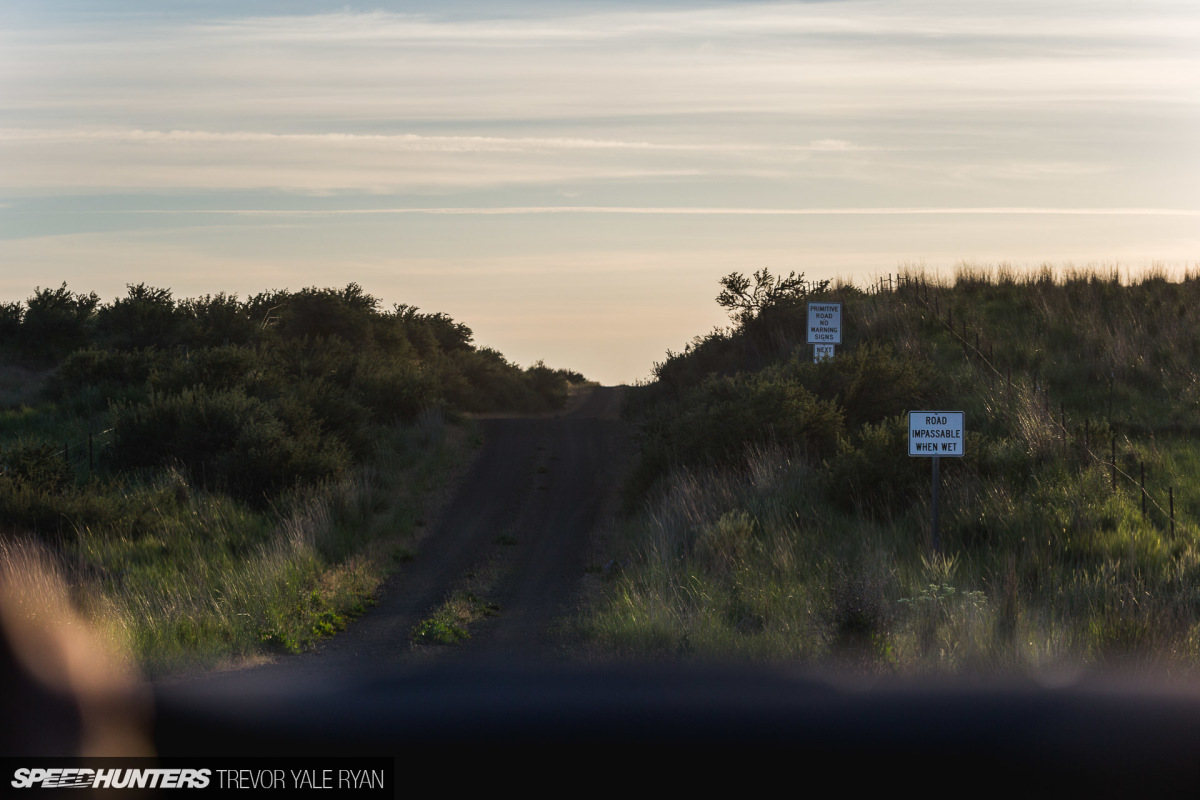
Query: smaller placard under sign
(822, 352)
(936, 433)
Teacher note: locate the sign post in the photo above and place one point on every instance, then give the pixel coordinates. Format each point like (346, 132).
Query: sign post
(824, 328)
(933, 434)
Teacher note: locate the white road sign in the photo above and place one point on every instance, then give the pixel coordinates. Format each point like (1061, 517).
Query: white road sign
(824, 323)
(936, 433)
(822, 352)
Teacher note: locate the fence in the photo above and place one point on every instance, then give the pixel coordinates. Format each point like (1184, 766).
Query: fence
(974, 347)
(86, 450)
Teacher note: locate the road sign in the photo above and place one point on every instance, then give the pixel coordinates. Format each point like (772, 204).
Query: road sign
(822, 352)
(824, 323)
(936, 433)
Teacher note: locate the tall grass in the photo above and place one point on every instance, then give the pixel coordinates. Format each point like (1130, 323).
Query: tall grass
(211, 581)
(774, 552)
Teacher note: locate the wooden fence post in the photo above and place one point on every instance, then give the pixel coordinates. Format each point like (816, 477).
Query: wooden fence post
(1113, 462)
(1143, 466)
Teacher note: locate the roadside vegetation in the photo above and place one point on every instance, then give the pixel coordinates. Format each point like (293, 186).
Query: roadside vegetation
(220, 478)
(775, 513)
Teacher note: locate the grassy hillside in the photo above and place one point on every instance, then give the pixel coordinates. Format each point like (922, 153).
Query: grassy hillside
(778, 515)
(220, 477)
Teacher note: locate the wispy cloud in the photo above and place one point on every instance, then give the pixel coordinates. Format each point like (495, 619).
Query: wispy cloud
(682, 210)
(918, 21)
(66, 159)
(861, 97)
(771, 58)
(408, 141)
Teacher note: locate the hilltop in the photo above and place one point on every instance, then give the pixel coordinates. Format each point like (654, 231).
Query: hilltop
(218, 478)
(777, 513)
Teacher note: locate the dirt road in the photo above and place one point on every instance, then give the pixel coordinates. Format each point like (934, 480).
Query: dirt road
(515, 535)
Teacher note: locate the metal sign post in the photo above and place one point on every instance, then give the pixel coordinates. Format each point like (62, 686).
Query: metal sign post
(937, 482)
(933, 434)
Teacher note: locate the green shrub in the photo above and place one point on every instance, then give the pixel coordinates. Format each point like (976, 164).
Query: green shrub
(339, 413)
(215, 368)
(394, 391)
(324, 313)
(431, 334)
(549, 384)
(491, 383)
(55, 322)
(38, 466)
(216, 320)
(146, 317)
(872, 382)
(717, 420)
(225, 439)
(873, 472)
(10, 322)
(111, 374)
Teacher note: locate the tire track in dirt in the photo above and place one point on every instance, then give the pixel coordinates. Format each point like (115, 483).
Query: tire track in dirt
(551, 513)
(538, 586)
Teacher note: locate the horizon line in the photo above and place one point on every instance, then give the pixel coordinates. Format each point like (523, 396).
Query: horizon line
(675, 210)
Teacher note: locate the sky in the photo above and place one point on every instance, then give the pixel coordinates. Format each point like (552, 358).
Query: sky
(572, 179)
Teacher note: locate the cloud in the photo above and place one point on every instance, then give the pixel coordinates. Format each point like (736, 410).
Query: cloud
(915, 21)
(698, 211)
(1008, 170)
(132, 158)
(818, 59)
(933, 102)
(406, 141)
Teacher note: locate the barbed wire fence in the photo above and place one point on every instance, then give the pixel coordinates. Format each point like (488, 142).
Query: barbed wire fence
(86, 451)
(1025, 389)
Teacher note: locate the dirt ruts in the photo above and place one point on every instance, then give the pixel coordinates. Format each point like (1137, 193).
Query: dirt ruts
(516, 533)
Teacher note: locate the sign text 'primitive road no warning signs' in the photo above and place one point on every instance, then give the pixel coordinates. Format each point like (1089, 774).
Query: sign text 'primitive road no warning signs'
(936, 433)
(824, 323)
